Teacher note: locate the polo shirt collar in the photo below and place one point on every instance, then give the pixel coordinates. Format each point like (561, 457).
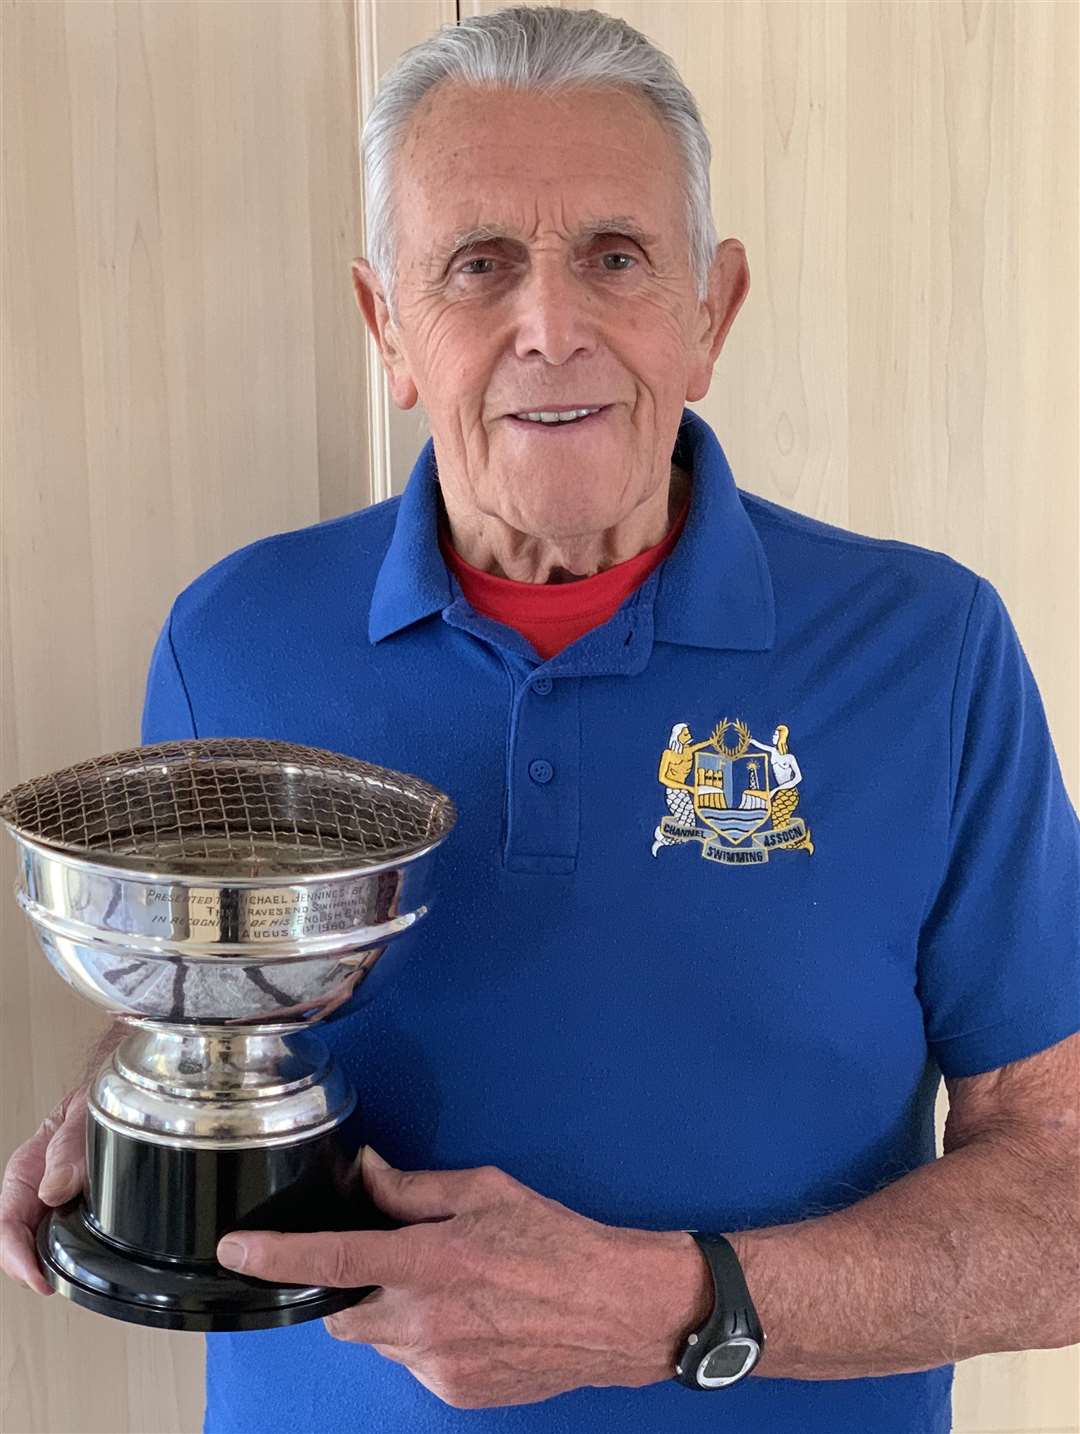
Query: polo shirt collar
(714, 590)
(413, 581)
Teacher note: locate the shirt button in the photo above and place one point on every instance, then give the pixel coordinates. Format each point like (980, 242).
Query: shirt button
(542, 685)
(541, 771)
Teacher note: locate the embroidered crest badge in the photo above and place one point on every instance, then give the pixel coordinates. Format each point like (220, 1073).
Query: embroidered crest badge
(738, 801)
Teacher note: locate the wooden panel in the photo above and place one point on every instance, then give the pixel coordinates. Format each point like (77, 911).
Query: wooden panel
(903, 178)
(385, 30)
(183, 372)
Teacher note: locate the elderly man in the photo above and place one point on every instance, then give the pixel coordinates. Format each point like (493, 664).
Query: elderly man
(656, 1083)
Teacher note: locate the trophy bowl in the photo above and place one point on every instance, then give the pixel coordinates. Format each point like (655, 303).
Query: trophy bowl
(219, 896)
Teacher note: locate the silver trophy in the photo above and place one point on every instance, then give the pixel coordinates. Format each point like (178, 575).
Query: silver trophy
(219, 897)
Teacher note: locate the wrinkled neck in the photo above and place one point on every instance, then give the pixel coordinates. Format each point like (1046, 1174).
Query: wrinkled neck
(493, 546)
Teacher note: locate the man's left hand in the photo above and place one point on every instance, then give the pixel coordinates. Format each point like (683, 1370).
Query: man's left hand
(491, 1294)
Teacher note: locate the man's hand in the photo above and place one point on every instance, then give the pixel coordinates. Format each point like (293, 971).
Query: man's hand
(494, 1294)
(46, 1170)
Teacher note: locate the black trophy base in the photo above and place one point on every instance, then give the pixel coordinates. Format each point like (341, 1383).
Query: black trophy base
(93, 1273)
(141, 1245)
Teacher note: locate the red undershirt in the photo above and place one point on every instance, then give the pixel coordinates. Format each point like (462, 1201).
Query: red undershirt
(553, 615)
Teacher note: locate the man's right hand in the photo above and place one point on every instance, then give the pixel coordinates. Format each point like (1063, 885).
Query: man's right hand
(46, 1170)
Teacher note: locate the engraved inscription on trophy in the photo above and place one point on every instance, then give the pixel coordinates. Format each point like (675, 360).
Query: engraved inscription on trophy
(259, 914)
(307, 911)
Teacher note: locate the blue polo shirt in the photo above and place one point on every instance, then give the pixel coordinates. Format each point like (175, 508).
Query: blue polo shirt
(737, 877)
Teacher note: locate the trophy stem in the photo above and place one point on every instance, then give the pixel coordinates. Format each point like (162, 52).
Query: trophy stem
(220, 1087)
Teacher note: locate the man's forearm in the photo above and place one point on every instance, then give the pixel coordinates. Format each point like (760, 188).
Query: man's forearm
(975, 1253)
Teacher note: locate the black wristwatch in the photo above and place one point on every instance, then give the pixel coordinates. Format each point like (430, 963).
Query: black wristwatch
(730, 1342)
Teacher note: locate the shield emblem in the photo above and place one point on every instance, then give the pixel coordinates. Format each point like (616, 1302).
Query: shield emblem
(725, 791)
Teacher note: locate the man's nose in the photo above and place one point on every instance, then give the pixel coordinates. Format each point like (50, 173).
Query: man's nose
(556, 316)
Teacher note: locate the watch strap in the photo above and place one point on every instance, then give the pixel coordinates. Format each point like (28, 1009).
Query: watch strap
(733, 1322)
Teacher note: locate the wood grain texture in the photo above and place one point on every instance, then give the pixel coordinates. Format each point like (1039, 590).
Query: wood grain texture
(183, 372)
(385, 30)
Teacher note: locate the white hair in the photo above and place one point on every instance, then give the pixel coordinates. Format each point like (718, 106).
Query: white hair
(544, 49)
(673, 740)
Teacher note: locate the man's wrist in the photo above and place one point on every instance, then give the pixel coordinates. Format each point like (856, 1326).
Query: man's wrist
(686, 1298)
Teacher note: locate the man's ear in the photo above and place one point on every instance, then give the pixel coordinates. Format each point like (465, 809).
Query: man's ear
(729, 284)
(372, 304)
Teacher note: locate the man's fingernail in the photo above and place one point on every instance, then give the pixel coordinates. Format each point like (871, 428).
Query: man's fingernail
(372, 1157)
(231, 1253)
(56, 1181)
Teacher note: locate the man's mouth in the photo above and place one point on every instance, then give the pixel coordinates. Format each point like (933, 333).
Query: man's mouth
(553, 420)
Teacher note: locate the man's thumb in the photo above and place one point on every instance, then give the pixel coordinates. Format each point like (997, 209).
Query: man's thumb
(64, 1167)
(65, 1154)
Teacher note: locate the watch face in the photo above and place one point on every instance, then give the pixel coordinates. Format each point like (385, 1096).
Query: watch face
(728, 1362)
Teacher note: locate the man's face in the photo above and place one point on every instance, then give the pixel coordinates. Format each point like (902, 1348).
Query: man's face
(553, 314)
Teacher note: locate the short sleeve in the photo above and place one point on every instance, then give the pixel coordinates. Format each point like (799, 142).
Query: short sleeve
(167, 713)
(999, 951)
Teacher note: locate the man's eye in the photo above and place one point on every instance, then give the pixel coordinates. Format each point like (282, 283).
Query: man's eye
(467, 266)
